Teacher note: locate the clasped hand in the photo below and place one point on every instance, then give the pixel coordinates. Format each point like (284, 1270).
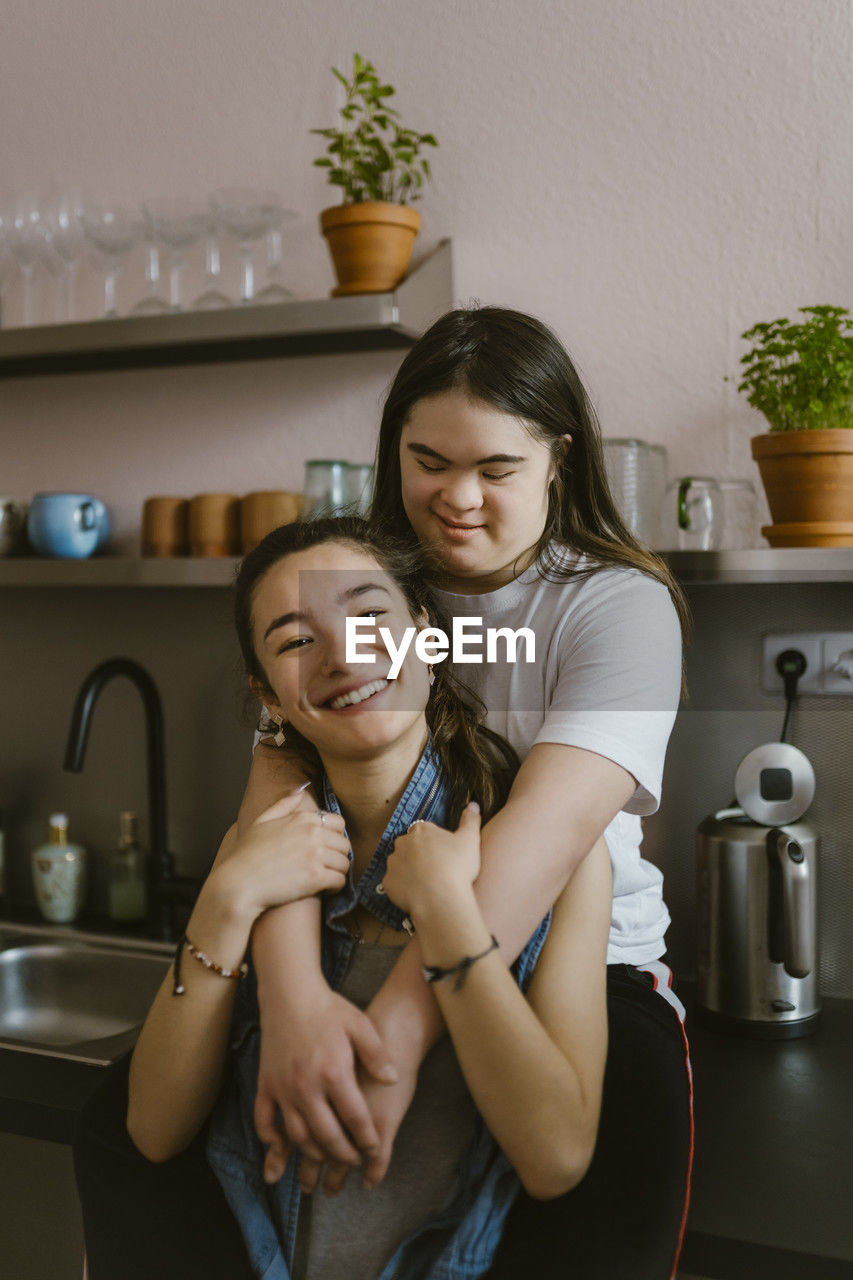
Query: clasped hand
(327, 1083)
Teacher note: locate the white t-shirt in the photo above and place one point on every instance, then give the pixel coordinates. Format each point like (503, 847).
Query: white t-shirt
(606, 677)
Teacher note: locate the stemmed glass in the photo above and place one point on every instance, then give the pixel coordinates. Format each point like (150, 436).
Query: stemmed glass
(275, 291)
(24, 240)
(212, 298)
(178, 224)
(151, 304)
(248, 215)
(5, 256)
(113, 231)
(63, 235)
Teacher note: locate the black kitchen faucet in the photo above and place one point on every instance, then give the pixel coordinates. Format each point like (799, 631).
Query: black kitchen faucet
(165, 889)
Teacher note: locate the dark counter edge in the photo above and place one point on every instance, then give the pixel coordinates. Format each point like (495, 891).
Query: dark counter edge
(41, 1097)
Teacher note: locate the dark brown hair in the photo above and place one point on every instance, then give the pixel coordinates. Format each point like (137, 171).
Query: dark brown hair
(517, 365)
(475, 763)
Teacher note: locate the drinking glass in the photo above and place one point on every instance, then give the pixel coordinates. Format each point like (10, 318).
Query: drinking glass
(740, 515)
(212, 298)
(151, 303)
(5, 258)
(114, 231)
(63, 233)
(178, 224)
(325, 488)
(358, 485)
(636, 473)
(275, 290)
(24, 239)
(693, 514)
(248, 215)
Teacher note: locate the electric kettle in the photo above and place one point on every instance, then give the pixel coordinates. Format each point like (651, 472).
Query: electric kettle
(756, 901)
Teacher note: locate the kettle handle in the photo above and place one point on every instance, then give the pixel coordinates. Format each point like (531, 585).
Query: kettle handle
(799, 940)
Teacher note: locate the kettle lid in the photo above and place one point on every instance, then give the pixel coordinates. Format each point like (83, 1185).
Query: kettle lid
(775, 784)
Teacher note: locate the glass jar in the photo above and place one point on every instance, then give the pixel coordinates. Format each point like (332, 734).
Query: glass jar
(693, 515)
(636, 473)
(359, 487)
(740, 515)
(325, 488)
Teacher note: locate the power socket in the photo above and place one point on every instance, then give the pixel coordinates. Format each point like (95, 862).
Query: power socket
(823, 651)
(838, 662)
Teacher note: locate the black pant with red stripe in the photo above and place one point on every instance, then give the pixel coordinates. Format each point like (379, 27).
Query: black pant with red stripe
(622, 1222)
(625, 1219)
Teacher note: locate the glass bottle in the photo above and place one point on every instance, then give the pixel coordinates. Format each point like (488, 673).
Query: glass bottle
(127, 890)
(59, 873)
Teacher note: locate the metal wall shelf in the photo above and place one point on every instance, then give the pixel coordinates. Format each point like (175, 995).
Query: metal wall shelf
(762, 564)
(765, 565)
(364, 322)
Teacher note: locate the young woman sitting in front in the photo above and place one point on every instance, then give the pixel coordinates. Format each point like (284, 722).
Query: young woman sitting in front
(512, 1096)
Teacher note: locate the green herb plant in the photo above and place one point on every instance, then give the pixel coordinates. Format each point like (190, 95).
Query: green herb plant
(373, 157)
(800, 376)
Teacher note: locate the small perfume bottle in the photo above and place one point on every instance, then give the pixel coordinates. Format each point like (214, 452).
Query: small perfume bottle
(127, 894)
(59, 873)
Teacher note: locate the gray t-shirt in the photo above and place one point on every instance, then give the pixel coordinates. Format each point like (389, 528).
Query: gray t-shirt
(607, 678)
(354, 1234)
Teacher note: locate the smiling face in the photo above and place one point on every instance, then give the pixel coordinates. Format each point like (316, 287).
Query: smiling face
(299, 610)
(475, 489)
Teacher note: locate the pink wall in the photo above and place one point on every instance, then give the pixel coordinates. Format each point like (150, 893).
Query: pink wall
(648, 176)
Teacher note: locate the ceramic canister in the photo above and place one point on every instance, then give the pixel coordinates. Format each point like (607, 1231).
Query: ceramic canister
(67, 525)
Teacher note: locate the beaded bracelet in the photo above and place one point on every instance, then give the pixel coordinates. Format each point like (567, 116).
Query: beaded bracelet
(433, 973)
(178, 987)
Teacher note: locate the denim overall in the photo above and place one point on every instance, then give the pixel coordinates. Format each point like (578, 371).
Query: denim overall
(458, 1243)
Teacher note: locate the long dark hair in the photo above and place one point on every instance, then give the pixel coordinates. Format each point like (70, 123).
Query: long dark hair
(475, 763)
(517, 365)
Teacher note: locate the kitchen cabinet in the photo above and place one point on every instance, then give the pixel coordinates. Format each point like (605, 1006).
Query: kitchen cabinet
(363, 322)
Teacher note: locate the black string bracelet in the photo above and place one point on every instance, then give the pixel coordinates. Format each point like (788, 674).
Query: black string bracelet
(433, 973)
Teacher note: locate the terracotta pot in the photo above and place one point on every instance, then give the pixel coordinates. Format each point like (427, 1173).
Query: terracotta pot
(370, 243)
(808, 479)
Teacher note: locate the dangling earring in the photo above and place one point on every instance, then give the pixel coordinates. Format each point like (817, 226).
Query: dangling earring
(279, 722)
(430, 676)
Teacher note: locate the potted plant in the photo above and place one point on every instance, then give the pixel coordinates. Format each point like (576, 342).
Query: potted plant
(800, 376)
(380, 168)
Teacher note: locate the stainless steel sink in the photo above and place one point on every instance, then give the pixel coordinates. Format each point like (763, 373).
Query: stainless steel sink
(74, 995)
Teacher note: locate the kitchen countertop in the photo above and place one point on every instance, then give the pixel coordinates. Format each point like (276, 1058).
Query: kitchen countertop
(773, 1165)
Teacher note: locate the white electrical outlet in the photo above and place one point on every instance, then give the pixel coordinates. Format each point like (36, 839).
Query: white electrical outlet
(808, 645)
(829, 659)
(838, 662)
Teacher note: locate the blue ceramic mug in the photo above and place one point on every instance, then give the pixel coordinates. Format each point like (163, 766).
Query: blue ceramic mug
(68, 525)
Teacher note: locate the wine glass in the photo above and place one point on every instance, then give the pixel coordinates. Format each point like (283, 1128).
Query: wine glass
(212, 298)
(63, 234)
(24, 239)
(114, 231)
(275, 290)
(5, 256)
(248, 215)
(151, 303)
(178, 224)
